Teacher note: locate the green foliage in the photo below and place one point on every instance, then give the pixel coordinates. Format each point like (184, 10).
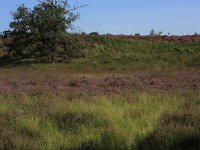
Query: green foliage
(1, 44)
(1, 47)
(94, 33)
(40, 33)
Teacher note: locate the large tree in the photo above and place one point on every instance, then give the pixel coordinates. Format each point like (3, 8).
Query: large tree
(41, 32)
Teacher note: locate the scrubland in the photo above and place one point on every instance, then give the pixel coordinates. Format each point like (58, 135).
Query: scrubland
(125, 93)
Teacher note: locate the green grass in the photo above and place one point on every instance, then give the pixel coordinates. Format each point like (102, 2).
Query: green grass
(180, 130)
(100, 122)
(115, 54)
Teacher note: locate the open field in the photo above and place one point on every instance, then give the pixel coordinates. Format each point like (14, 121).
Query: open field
(124, 94)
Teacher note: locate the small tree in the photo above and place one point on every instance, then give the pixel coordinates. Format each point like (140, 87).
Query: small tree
(40, 33)
(195, 33)
(160, 33)
(152, 33)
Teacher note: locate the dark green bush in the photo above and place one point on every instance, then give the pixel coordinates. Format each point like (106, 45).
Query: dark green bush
(179, 130)
(1, 44)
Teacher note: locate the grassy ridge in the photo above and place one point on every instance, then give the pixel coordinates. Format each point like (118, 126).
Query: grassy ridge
(117, 54)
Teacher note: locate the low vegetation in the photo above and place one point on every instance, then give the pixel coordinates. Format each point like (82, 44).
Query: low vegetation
(56, 107)
(120, 94)
(91, 91)
(124, 121)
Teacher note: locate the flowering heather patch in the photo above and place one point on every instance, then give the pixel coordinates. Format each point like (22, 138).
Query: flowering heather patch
(182, 39)
(106, 85)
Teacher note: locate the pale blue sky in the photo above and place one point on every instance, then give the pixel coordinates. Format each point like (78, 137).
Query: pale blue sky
(127, 16)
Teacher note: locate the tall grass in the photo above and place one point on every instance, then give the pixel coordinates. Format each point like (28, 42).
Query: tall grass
(100, 122)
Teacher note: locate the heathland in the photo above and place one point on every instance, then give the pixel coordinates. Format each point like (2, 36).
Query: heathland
(123, 92)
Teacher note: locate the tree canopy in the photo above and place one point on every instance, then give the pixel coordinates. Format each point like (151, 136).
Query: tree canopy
(41, 33)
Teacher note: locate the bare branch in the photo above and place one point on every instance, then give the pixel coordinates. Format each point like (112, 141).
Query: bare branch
(78, 7)
(65, 3)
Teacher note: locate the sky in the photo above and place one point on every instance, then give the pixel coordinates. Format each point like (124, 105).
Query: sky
(125, 16)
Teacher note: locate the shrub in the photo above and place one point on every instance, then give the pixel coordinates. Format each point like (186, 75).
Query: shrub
(1, 47)
(1, 44)
(94, 33)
